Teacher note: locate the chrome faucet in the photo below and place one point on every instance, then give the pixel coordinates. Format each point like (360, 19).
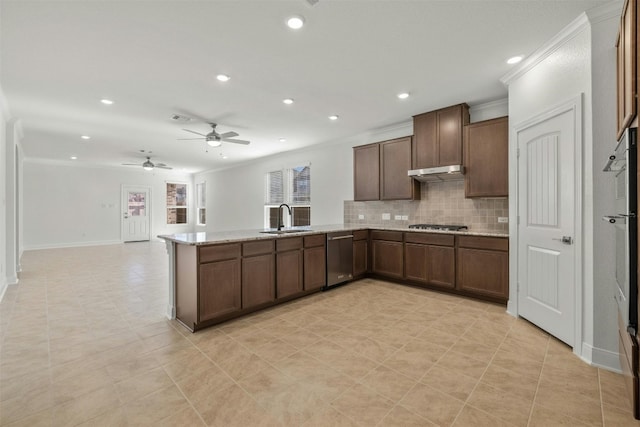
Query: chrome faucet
(280, 214)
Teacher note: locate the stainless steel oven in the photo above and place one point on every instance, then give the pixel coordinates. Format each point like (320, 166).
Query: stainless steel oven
(624, 219)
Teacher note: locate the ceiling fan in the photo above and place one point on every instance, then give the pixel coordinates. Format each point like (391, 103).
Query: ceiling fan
(214, 138)
(149, 165)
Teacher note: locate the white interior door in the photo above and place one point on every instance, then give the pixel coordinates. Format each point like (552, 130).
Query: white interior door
(546, 209)
(135, 216)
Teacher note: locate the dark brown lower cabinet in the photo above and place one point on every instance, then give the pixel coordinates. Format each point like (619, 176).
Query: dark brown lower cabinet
(360, 255)
(483, 266)
(258, 280)
(315, 271)
(432, 265)
(288, 273)
(387, 258)
(220, 288)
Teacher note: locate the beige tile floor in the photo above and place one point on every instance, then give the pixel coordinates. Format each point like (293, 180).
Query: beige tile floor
(85, 342)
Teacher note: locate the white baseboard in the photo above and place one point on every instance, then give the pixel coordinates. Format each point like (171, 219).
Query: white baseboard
(3, 287)
(71, 245)
(601, 358)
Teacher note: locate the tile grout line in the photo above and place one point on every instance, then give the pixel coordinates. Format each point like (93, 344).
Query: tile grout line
(535, 394)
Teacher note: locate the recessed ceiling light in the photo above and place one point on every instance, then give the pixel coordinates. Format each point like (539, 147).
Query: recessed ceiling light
(288, 101)
(295, 22)
(73, 158)
(106, 101)
(223, 77)
(85, 137)
(403, 95)
(224, 157)
(333, 117)
(514, 60)
(282, 140)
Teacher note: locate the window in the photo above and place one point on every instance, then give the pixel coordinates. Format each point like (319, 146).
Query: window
(290, 186)
(176, 203)
(201, 203)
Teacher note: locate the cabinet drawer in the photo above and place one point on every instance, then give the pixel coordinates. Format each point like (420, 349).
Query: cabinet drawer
(219, 252)
(479, 242)
(360, 235)
(289, 244)
(393, 236)
(257, 248)
(430, 239)
(315, 240)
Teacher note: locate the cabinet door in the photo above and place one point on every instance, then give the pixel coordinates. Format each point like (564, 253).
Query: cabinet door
(387, 258)
(425, 135)
(484, 272)
(486, 146)
(315, 268)
(433, 265)
(395, 161)
(626, 67)
(220, 289)
(288, 273)
(360, 254)
(258, 280)
(366, 172)
(450, 121)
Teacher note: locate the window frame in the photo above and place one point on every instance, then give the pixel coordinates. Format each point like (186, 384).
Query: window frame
(288, 177)
(185, 206)
(203, 206)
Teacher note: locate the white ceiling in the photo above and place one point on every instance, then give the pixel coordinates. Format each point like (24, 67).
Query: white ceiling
(157, 58)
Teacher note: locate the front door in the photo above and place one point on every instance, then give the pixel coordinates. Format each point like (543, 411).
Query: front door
(546, 209)
(135, 215)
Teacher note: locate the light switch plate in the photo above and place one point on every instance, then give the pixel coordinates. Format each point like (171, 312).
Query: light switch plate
(397, 217)
(360, 216)
(503, 219)
(405, 217)
(386, 216)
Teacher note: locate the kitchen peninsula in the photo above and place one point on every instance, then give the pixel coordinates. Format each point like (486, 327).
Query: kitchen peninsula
(217, 276)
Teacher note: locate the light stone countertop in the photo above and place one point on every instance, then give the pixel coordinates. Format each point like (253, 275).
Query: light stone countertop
(209, 238)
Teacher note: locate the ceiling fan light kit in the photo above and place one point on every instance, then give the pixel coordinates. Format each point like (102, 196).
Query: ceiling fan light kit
(215, 139)
(148, 165)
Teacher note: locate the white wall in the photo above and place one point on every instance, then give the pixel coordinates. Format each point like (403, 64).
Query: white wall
(579, 61)
(4, 116)
(68, 205)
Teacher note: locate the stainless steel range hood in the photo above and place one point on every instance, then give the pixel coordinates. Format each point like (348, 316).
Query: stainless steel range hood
(439, 174)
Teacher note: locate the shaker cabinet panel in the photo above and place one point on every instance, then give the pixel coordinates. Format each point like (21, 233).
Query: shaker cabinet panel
(395, 161)
(387, 258)
(360, 257)
(437, 137)
(288, 273)
(258, 280)
(626, 67)
(425, 134)
(484, 272)
(220, 288)
(366, 172)
(315, 266)
(450, 122)
(486, 146)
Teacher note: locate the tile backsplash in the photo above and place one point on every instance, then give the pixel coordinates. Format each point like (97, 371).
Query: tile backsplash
(441, 203)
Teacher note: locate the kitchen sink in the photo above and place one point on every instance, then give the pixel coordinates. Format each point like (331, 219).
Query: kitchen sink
(286, 231)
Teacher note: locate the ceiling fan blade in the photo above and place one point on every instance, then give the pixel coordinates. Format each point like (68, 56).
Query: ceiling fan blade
(162, 166)
(237, 141)
(189, 139)
(130, 164)
(197, 133)
(228, 135)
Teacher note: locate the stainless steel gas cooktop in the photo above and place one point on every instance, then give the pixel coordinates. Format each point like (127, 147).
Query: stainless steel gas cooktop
(443, 227)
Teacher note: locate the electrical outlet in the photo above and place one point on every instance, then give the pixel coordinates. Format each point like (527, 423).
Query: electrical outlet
(405, 217)
(386, 216)
(503, 219)
(360, 216)
(397, 217)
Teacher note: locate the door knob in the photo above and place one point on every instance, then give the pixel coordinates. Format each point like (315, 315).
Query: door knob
(567, 240)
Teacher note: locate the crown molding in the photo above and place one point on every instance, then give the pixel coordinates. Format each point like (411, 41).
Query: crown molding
(577, 26)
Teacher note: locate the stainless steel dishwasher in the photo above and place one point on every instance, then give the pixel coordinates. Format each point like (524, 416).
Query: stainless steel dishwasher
(339, 257)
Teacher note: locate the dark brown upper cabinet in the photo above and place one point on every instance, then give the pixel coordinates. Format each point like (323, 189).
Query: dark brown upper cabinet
(366, 172)
(626, 67)
(395, 162)
(380, 171)
(486, 146)
(437, 137)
